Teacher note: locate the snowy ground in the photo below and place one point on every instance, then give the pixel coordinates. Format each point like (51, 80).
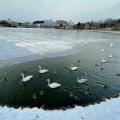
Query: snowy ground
(109, 110)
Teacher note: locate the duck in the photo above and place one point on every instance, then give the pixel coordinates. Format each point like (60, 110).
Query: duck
(34, 96)
(110, 56)
(103, 60)
(42, 70)
(71, 94)
(106, 86)
(41, 92)
(81, 80)
(85, 43)
(27, 78)
(73, 67)
(53, 85)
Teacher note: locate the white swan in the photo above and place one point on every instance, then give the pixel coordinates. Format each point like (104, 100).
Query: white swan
(42, 70)
(81, 80)
(103, 60)
(53, 85)
(102, 50)
(73, 67)
(110, 56)
(111, 45)
(26, 78)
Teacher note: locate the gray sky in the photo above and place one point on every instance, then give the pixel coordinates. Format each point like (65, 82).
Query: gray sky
(76, 10)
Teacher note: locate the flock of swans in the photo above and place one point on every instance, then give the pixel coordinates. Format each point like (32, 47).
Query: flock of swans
(52, 85)
(110, 56)
(73, 68)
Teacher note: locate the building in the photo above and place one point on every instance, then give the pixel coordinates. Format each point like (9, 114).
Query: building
(48, 23)
(70, 24)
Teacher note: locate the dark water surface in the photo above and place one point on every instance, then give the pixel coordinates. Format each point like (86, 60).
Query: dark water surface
(15, 92)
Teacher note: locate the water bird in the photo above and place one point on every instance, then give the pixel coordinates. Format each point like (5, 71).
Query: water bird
(34, 96)
(26, 78)
(42, 70)
(85, 92)
(102, 50)
(111, 45)
(85, 43)
(87, 88)
(103, 60)
(5, 78)
(55, 72)
(71, 94)
(81, 80)
(24, 71)
(73, 67)
(96, 64)
(118, 74)
(53, 85)
(76, 98)
(41, 92)
(110, 56)
(101, 68)
(106, 86)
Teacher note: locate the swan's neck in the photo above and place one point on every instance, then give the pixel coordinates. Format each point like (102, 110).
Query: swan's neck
(40, 68)
(71, 65)
(48, 83)
(23, 76)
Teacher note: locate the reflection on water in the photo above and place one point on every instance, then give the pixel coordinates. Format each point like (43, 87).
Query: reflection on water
(102, 80)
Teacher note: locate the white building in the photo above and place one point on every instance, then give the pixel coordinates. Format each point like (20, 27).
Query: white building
(48, 23)
(70, 24)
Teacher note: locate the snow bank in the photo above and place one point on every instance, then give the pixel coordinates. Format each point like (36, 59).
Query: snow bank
(109, 110)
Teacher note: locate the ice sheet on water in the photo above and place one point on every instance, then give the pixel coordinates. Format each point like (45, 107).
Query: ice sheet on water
(8, 51)
(23, 42)
(16, 44)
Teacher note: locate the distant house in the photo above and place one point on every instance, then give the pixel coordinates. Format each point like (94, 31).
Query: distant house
(14, 24)
(61, 24)
(38, 24)
(87, 26)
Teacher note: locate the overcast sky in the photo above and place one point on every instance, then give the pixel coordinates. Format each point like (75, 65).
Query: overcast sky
(76, 10)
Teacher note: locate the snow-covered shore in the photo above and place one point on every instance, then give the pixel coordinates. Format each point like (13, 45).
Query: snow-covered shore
(109, 110)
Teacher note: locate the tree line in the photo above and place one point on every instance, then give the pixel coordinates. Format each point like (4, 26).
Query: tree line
(114, 24)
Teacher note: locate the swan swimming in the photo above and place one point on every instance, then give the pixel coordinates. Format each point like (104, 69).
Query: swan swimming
(81, 80)
(73, 67)
(110, 56)
(53, 85)
(26, 78)
(102, 50)
(103, 60)
(111, 45)
(42, 70)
